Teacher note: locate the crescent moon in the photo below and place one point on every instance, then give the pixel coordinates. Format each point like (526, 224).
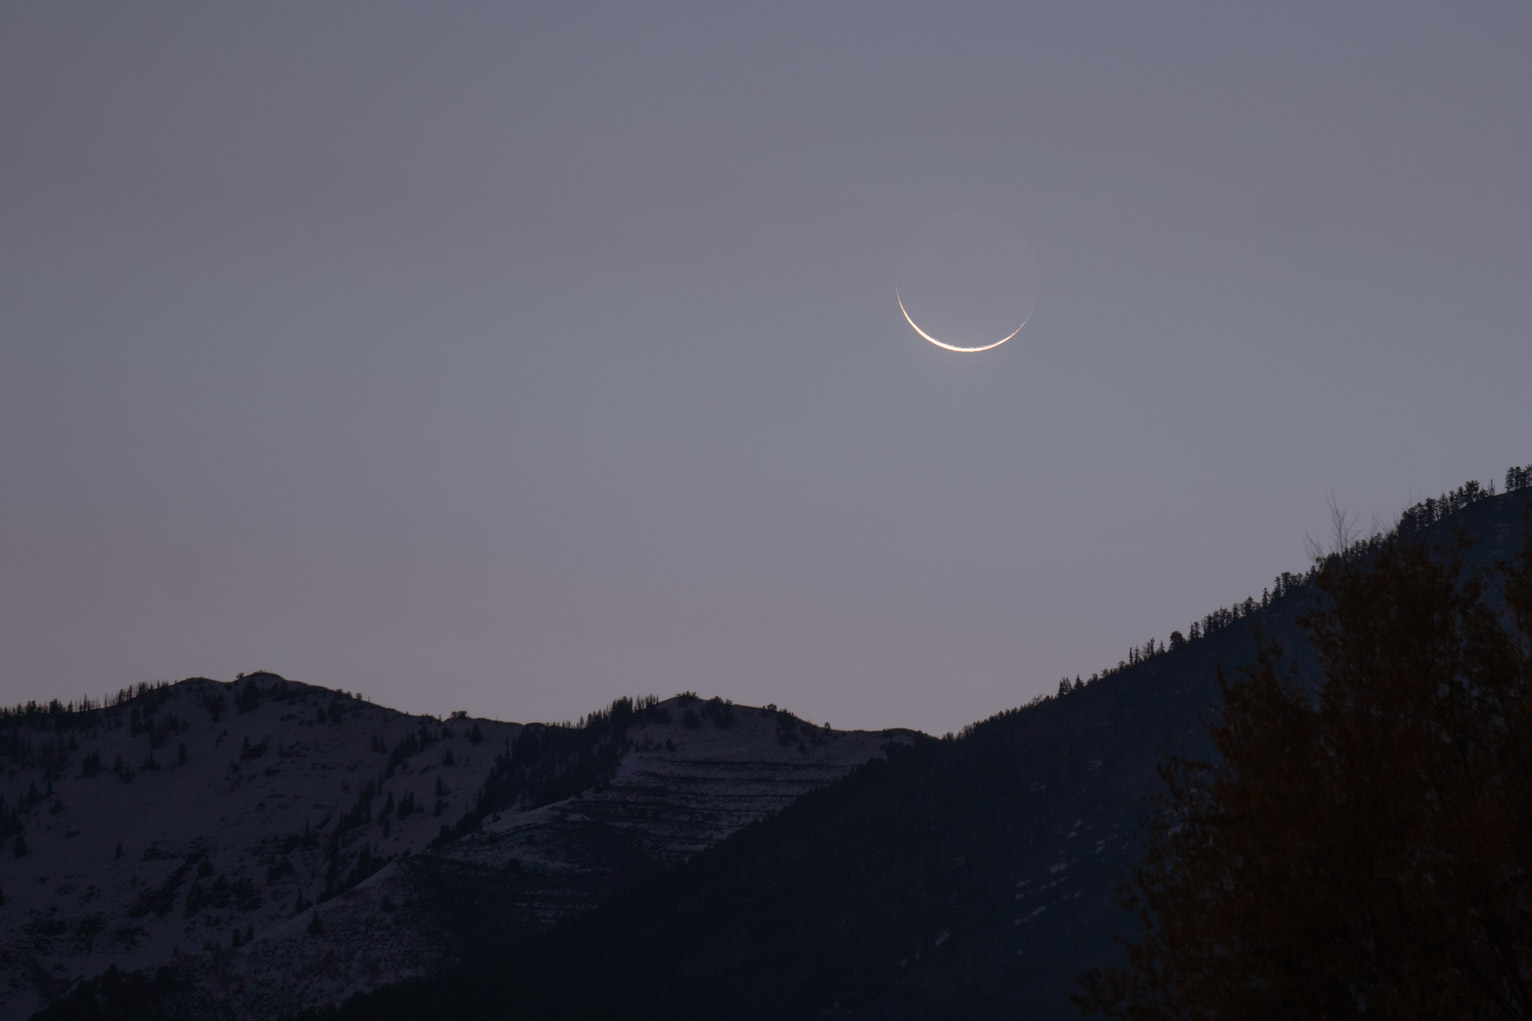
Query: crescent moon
(953, 347)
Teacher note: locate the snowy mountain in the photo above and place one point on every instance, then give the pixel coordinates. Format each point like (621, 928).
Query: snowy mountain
(270, 845)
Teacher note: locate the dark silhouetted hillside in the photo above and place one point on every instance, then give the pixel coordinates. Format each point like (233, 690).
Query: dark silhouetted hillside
(967, 878)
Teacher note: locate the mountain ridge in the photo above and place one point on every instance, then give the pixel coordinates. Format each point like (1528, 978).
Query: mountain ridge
(972, 877)
(976, 870)
(255, 831)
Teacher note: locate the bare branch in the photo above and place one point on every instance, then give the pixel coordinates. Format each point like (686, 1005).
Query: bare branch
(1342, 526)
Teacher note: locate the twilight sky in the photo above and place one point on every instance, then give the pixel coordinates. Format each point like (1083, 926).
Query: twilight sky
(512, 357)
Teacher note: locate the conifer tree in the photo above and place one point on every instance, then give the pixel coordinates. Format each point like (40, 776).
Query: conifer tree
(1362, 851)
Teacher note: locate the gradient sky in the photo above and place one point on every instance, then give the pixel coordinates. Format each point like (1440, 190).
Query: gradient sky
(512, 357)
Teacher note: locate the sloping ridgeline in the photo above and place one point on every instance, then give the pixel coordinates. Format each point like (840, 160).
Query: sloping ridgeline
(965, 878)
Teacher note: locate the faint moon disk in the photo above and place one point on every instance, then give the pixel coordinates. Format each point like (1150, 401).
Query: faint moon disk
(969, 278)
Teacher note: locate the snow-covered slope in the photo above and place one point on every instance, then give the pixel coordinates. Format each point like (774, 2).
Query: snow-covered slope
(690, 773)
(202, 813)
(273, 841)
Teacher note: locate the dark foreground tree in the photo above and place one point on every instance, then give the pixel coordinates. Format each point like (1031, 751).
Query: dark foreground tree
(1365, 851)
